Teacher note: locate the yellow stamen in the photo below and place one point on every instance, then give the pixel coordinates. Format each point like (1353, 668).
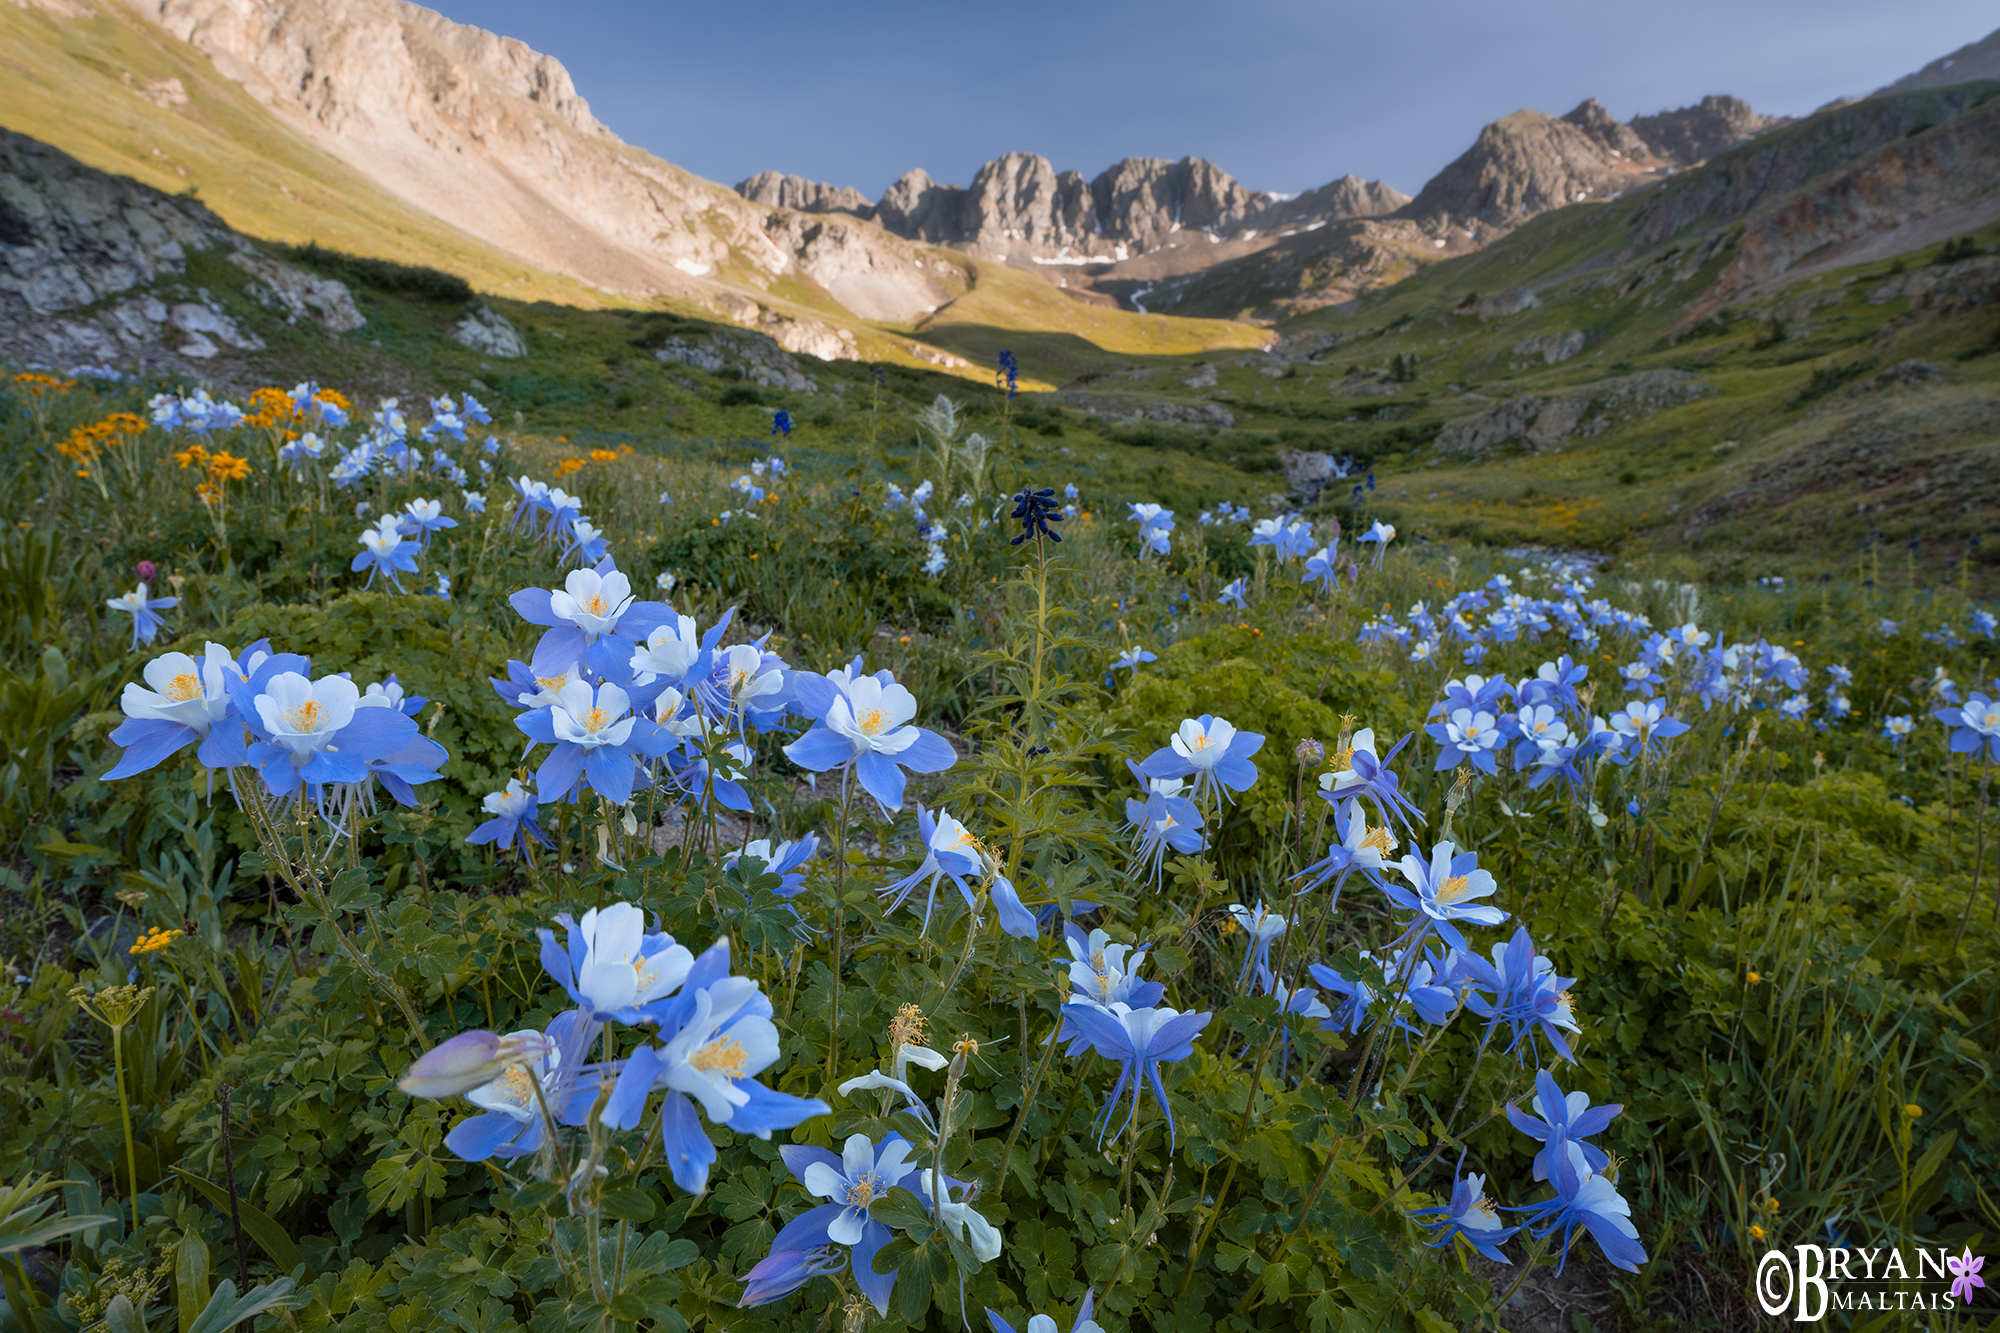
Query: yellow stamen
(722, 1056)
(516, 1085)
(870, 721)
(864, 1191)
(907, 1027)
(594, 719)
(306, 718)
(183, 687)
(552, 683)
(1453, 889)
(1380, 839)
(595, 605)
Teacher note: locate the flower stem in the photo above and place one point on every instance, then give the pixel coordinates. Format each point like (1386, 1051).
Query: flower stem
(125, 1114)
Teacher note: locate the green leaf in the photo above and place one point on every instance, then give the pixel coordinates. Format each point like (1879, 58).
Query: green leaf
(1934, 1155)
(225, 1311)
(122, 1317)
(70, 851)
(901, 1210)
(259, 1225)
(629, 1205)
(191, 1291)
(353, 891)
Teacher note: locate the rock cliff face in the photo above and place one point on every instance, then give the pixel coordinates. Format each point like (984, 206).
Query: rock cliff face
(494, 138)
(776, 190)
(1696, 133)
(1020, 208)
(72, 237)
(1526, 164)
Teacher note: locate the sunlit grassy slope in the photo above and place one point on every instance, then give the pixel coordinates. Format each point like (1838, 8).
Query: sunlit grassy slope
(81, 84)
(1058, 337)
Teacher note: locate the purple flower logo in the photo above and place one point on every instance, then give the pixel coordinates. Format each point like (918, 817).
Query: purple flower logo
(1965, 1274)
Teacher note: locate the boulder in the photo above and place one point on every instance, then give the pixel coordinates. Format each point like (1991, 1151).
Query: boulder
(489, 333)
(1551, 348)
(1543, 424)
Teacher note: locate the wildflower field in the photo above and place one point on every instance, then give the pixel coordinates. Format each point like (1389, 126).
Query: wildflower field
(457, 880)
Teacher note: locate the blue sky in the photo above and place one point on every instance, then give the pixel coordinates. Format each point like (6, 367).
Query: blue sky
(1284, 94)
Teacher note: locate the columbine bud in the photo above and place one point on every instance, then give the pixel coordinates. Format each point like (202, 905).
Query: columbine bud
(467, 1061)
(1309, 752)
(147, 571)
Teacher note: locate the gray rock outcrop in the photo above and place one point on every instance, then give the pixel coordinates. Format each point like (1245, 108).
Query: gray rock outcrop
(1697, 133)
(760, 357)
(1544, 423)
(489, 333)
(775, 189)
(1019, 207)
(73, 237)
(1551, 349)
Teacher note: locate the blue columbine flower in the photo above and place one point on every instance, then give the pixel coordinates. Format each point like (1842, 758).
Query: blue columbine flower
(1381, 534)
(1976, 726)
(315, 732)
(1470, 1215)
(383, 551)
(1139, 1041)
(513, 812)
(514, 1121)
(1351, 1015)
(864, 721)
(188, 702)
(1323, 568)
(430, 518)
(1466, 737)
(1131, 658)
(1211, 752)
(144, 611)
(1232, 595)
(716, 1036)
(1521, 989)
(1355, 846)
(1099, 973)
(1644, 727)
(1441, 893)
(950, 852)
(1262, 928)
(1165, 819)
(1361, 772)
(1559, 1117)
(1585, 1198)
(850, 1182)
(611, 966)
(597, 740)
(782, 860)
(593, 618)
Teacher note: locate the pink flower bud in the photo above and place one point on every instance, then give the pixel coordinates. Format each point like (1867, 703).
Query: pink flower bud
(147, 569)
(469, 1060)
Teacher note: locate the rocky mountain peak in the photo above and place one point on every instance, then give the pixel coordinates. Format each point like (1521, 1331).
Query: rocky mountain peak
(1696, 133)
(1520, 166)
(1610, 133)
(775, 189)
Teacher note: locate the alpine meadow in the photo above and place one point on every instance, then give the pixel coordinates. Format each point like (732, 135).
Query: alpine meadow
(589, 751)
